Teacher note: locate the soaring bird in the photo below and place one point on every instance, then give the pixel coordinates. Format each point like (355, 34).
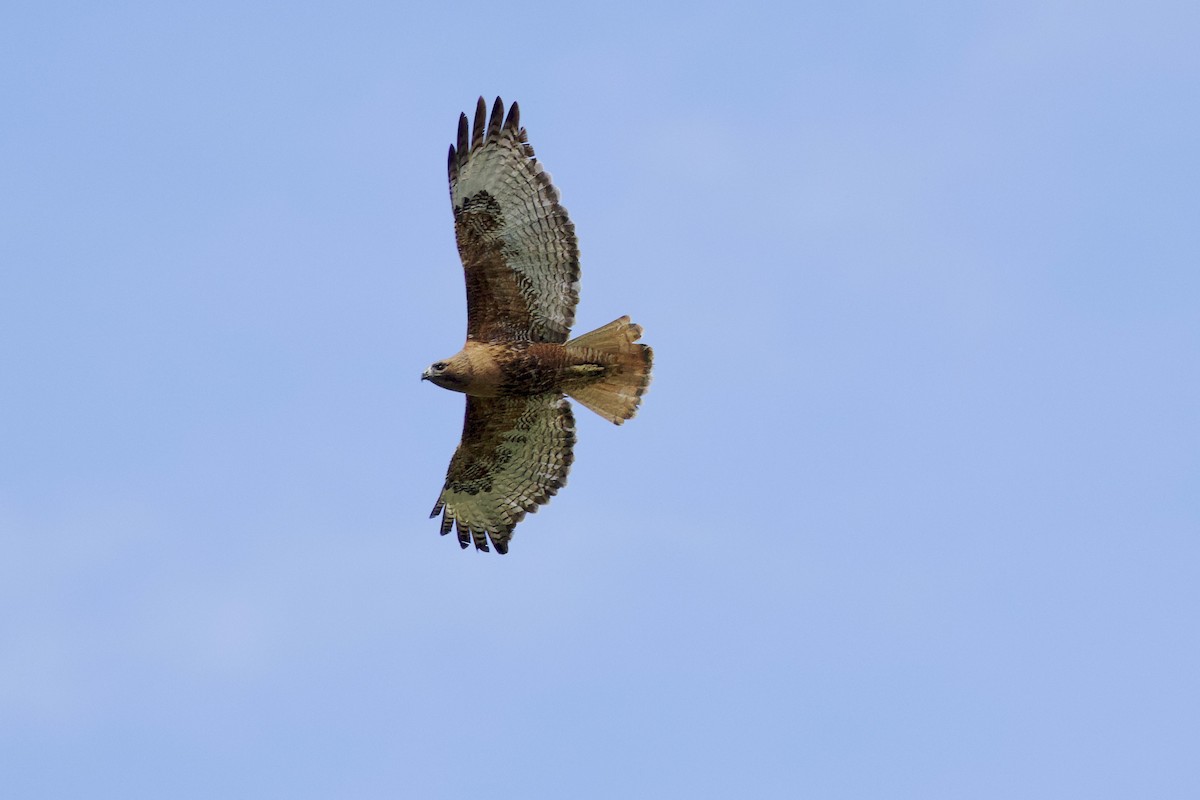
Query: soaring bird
(521, 262)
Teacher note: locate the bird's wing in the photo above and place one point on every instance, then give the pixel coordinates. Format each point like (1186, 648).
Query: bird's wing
(516, 242)
(514, 455)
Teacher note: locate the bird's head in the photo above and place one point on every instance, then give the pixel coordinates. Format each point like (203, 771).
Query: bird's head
(448, 374)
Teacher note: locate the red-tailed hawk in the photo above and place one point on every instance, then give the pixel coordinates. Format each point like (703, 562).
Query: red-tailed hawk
(521, 261)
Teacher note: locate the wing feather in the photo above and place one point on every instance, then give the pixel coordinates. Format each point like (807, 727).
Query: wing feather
(516, 241)
(514, 456)
(480, 121)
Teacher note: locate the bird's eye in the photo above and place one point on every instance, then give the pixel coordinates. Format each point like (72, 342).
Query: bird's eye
(439, 366)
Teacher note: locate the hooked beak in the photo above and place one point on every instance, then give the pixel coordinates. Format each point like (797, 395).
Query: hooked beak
(425, 375)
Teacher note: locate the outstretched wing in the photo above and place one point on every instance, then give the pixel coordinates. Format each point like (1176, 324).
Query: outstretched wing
(514, 455)
(516, 242)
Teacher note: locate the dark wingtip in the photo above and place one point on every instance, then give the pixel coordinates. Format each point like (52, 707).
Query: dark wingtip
(513, 120)
(480, 123)
(464, 135)
(497, 118)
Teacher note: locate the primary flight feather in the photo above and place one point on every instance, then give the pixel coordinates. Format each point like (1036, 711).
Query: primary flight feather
(521, 263)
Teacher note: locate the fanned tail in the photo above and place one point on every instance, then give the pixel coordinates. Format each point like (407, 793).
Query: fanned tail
(616, 395)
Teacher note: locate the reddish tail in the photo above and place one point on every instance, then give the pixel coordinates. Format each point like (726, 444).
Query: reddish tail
(616, 395)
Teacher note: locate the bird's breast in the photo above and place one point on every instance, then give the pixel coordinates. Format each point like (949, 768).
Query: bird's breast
(515, 368)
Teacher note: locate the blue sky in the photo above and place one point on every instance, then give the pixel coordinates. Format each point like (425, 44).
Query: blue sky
(911, 509)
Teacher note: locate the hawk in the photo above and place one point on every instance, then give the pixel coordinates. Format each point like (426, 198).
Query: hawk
(521, 261)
